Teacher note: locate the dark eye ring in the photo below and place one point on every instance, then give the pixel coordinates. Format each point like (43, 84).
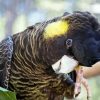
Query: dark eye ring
(69, 42)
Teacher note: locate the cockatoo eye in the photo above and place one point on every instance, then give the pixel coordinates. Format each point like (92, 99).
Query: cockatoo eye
(69, 43)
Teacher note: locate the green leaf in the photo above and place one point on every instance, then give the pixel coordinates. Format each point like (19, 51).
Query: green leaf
(7, 95)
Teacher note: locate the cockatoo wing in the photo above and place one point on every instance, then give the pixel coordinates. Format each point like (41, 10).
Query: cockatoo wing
(6, 51)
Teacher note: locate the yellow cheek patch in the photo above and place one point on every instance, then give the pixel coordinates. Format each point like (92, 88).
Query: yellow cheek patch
(56, 29)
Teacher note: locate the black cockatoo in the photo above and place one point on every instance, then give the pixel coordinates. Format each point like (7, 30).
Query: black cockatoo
(26, 58)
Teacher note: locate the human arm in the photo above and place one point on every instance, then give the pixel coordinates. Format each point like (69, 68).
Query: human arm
(89, 72)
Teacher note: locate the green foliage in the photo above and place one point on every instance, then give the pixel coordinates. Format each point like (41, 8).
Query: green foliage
(7, 95)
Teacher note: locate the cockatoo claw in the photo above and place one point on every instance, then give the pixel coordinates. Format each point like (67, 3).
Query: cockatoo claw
(81, 80)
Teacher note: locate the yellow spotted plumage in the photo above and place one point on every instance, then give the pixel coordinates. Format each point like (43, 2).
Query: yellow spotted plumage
(56, 29)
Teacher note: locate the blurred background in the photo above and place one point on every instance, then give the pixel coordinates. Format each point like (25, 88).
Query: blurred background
(16, 15)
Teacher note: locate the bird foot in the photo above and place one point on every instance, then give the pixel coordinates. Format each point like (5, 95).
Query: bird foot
(81, 80)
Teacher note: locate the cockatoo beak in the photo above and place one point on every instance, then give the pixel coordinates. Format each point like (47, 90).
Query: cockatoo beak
(65, 65)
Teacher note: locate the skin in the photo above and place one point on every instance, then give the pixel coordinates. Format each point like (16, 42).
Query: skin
(93, 71)
(81, 80)
(83, 73)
